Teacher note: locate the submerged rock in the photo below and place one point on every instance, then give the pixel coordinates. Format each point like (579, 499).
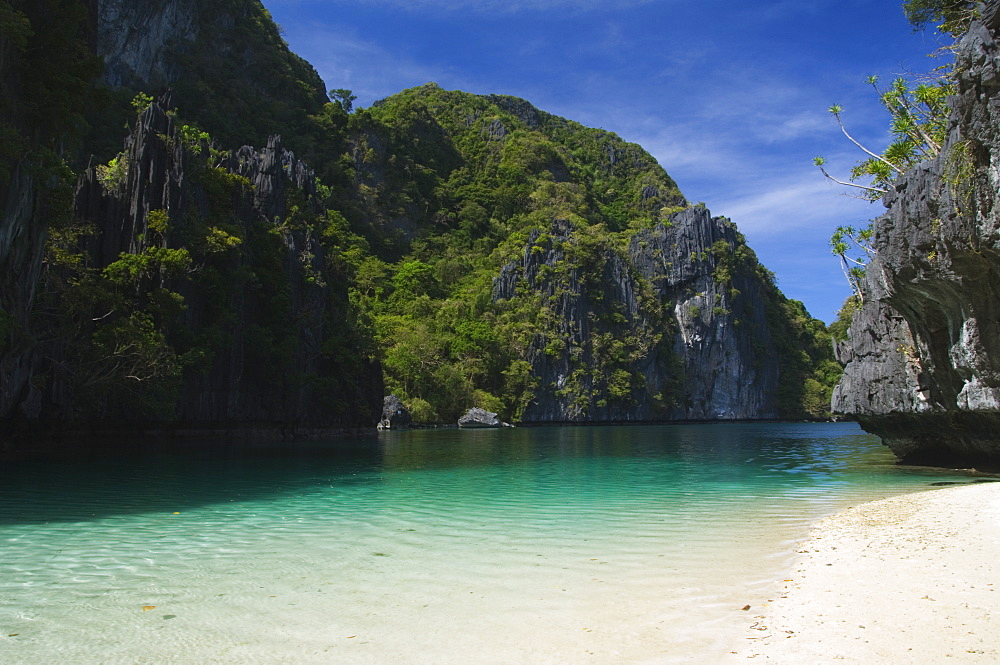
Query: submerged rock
(476, 417)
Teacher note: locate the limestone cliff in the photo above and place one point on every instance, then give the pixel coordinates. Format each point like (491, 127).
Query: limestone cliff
(45, 77)
(224, 60)
(923, 352)
(486, 252)
(704, 274)
(135, 40)
(596, 355)
(683, 325)
(258, 315)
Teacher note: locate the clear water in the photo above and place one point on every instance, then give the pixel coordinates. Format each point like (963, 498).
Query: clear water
(529, 545)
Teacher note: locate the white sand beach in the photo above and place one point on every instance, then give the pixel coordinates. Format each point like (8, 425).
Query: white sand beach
(909, 580)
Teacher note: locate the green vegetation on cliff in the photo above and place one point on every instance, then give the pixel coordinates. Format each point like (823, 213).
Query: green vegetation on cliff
(919, 121)
(455, 186)
(173, 285)
(224, 285)
(451, 185)
(46, 78)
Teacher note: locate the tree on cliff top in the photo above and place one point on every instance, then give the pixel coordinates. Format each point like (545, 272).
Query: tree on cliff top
(950, 16)
(918, 111)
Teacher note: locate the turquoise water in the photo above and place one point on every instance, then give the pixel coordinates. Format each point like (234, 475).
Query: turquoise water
(527, 545)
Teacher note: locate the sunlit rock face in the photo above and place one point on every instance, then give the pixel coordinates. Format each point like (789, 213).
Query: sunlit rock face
(697, 341)
(723, 338)
(923, 353)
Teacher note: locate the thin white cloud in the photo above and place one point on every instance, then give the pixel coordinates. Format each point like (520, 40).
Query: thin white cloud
(372, 72)
(794, 203)
(799, 125)
(678, 149)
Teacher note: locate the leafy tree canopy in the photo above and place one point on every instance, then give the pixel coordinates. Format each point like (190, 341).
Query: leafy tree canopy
(918, 112)
(948, 16)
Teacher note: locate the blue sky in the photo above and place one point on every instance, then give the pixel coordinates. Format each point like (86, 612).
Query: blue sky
(730, 97)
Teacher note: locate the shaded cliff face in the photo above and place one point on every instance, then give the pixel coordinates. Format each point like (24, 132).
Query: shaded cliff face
(218, 304)
(224, 60)
(683, 325)
(182, 285)
(923, 352)
(135, 39)
(45, 73)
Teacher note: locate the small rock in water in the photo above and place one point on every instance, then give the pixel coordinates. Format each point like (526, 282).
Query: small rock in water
(476, 417)
(394, 414)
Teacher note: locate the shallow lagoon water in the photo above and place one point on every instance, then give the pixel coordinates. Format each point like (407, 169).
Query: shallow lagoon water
(545, 545)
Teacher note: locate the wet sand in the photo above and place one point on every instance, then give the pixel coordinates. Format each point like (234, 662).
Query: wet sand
(909, 580)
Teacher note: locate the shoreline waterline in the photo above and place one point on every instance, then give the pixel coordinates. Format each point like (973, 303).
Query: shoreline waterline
(555, 545)
(905, 580)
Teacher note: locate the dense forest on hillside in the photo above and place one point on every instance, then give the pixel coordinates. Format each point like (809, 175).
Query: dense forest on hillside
(458, 250)
(494, 173)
